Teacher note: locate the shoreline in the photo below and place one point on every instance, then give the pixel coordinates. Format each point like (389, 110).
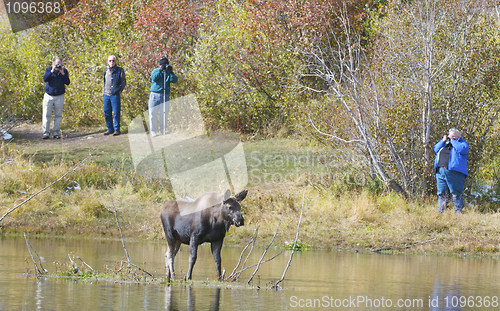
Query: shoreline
(383, 239)
(263, 244)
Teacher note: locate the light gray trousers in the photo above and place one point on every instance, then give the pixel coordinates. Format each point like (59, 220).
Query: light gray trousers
(50, 103)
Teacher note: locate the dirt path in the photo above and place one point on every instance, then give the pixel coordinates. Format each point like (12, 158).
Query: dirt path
(73, 145)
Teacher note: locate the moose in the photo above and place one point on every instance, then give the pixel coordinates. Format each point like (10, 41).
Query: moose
(206, 219)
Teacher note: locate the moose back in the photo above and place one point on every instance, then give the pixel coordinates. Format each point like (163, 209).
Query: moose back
(207, 219)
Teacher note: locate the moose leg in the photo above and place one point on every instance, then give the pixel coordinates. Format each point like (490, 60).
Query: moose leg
(193, 254)
(173, 248)
(216, 247)
(168, 263)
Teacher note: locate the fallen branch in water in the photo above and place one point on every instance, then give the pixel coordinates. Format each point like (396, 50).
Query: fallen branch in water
(77, 257)
(131, 264)
(73, 264)
(239, 272)
(117, 222)
(267, 248)
(74, 168)
(31, 248)
(405, 247)
(121, 235)
(234, 276)
(276, 285)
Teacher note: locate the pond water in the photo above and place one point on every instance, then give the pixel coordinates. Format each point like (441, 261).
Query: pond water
(316, 280)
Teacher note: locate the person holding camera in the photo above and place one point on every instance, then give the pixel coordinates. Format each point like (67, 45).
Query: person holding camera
(451, 169)
(56, 78)
(114, 83)
(161, 78)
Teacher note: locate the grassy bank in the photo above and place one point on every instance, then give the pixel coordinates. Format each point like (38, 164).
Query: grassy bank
(338, 213)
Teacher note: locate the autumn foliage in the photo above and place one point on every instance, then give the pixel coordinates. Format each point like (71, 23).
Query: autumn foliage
(244, 61)
(237, 57)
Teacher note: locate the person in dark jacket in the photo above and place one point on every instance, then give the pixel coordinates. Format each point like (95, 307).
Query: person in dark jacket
(161, 78)
(114, 83)
(56, 78)
(450, 167)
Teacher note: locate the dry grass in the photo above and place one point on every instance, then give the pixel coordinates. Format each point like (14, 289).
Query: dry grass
(363, 222)
(352, 220)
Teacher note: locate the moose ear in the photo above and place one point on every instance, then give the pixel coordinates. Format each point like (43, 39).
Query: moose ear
(241, 195)
(227, 195)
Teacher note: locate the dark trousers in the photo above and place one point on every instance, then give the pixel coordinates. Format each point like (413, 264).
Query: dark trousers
(112, 107)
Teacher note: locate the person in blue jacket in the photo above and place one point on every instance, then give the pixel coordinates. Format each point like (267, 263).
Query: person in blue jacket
(161, 78)
(56, 78)
(451, 169)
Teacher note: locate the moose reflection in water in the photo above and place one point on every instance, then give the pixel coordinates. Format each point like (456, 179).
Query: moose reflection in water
(207, 219)
(171, 305)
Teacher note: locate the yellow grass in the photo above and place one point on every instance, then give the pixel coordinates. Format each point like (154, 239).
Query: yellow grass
(331, 220)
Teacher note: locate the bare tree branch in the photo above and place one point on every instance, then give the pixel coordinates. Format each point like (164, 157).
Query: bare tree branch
(121, 235)
(77, 257)
(267, 248)
(332, 136)
(74, 168)
(264, 261)
(31, 248)
(341, 67)
(131, 264)
(117, 222)
(233, 276)
(395, 97)
(276, 285)
(73, 264)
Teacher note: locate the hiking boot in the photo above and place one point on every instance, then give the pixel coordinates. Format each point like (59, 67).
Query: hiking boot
(45, 136)
(108, 132)
(56, 136)
(116, 133)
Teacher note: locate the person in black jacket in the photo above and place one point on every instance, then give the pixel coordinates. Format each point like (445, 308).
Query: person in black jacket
(114, 83)
(56, 78)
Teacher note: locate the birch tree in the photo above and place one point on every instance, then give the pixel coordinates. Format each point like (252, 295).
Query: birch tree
(343, 66)
(433, 66)
(438, 60)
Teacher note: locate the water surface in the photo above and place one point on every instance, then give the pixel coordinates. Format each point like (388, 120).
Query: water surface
(316, 280)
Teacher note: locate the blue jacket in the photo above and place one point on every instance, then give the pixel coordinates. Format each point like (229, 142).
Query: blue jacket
(55, 81)
(157, 77)
(458, 155)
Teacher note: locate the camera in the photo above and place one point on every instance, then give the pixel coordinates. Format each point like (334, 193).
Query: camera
(58, 66)
(166, 68)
